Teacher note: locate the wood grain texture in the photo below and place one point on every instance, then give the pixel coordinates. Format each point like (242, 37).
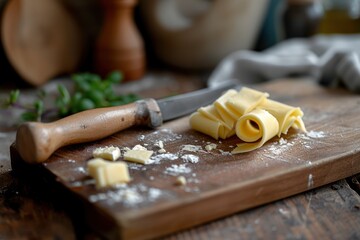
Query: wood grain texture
(330, 212)
(27, 212)
(219, 184)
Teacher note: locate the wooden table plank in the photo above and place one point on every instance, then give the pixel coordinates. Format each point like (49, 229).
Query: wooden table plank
(329, 212)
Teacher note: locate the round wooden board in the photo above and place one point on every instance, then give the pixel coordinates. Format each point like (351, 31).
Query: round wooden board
(41, 39)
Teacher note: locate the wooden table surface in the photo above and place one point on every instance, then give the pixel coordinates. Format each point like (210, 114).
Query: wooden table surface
(29, 212)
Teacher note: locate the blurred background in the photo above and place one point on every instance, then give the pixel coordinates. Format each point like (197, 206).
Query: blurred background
(46, 39)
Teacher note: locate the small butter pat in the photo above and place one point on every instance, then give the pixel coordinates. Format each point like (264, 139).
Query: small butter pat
(108, 173)
(161, 150)
(210, 146)
(108, 153)
(138, 156)
(160, 144)
(139, 147)
(181, 181)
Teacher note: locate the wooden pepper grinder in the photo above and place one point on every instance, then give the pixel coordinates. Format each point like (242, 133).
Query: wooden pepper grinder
(120, 45)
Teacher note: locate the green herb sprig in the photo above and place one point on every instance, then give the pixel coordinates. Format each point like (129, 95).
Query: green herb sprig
(31, 112)
(90, 91)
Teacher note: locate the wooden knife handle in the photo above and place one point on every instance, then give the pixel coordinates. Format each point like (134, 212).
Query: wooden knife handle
(36, 141)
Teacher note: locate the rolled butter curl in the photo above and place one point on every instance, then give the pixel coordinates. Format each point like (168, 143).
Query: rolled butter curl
(255, 128)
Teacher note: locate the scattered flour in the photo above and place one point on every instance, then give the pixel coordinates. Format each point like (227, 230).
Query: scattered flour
(160, 157)
(81, 170)
(281, 146)
(283, 141)
(153, 194)
(192, 189)
(177, 169)
(166, 135)
(83, 183)
(138, 194)
(314, 134)
(308, 137)
(136, 166)
(225, 153)
(129, 196)
(310, 181)
(191, 148)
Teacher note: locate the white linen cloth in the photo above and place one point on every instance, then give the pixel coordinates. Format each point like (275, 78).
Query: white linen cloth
(331, 60)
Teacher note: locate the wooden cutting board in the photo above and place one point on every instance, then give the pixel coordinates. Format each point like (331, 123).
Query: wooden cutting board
(219, 184)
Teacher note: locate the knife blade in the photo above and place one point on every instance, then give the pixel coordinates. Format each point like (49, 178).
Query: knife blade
(181, 105)
(36, 142)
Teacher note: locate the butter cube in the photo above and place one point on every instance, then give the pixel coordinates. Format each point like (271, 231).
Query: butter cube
(116, 173)
(100, 178)
(108, 173)
(109, 153)
(138, 156)
(93, 165)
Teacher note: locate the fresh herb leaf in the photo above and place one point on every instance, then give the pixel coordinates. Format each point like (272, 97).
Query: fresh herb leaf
(90, 91)
(115, 77)
(12, 98)
(29, 116)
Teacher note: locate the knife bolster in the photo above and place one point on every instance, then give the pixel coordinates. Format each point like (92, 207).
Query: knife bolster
(148, 113)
